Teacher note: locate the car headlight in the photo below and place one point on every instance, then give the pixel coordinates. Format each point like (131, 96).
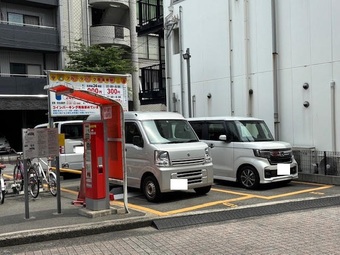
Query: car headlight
(207, 155)
(262, 153)
(162, 158)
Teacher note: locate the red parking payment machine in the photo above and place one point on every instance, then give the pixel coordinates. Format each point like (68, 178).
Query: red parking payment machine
(95, 173)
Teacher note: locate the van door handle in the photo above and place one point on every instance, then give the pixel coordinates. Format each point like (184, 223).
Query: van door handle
(211, 145)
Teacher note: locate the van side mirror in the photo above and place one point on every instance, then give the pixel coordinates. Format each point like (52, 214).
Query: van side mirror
(225, 138)
(138, 141)
(222, 138)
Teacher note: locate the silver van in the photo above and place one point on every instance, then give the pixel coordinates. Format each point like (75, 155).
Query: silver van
(243, 150)
(71, 154)
(164, 154)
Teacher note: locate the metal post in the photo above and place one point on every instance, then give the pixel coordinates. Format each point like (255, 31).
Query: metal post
(187, 57)
(26, 177)
(58, 186)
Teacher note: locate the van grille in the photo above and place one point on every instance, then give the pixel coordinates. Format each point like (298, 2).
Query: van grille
(281, 156)
(194, 176)
(188, 162)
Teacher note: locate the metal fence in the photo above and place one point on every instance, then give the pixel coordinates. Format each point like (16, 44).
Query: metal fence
(312, 161)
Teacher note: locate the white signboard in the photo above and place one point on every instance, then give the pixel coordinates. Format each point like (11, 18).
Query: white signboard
(109, 85)
(42, 142)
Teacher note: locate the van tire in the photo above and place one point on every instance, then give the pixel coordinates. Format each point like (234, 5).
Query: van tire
(248, 177)
(202, 190)
(151, 189)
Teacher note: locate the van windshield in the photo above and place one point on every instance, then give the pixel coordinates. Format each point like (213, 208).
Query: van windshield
(253, 131)
(169, 131)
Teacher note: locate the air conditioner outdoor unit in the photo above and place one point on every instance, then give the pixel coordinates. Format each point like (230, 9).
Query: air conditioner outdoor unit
(305, 156)
(327, 163)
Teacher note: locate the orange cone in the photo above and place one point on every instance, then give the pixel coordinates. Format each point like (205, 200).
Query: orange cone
(81, 194)
(112, 197)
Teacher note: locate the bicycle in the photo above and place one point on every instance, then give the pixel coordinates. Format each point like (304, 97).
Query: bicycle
(2, 184)
(50, 178)
(32, 177)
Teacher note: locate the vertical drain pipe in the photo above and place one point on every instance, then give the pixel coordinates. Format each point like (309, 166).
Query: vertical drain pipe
(275, 80)
(246, 60)
(232, 110)
(180, 57)
(168, 70)
(333, 115)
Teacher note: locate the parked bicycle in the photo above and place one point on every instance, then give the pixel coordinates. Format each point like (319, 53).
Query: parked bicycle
(2, 184)
(49, 178)
(32, 177)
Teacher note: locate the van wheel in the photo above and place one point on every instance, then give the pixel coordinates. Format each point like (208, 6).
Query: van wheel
(248, 177)
(151, 189)
(202, 190)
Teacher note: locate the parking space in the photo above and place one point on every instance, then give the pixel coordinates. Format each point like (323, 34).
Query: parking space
(227, 195)
(222, 195)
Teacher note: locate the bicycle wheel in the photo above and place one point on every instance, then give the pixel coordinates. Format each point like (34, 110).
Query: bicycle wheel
(52, 183)
(18, 179)
(33, 182)
(2, 189)
(2, 196)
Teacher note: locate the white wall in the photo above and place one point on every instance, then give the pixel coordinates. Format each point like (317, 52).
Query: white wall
(228, 60)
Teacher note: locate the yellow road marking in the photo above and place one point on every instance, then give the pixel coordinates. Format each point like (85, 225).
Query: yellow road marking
(137, 207)
(227, 202)
(318, 193)
(70, 191)
(230, 205)
(186, 209)
(275, 196)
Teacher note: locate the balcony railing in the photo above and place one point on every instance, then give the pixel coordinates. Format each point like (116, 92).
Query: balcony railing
(112, 3)
(106, 35)
(29, 37)
(22, 85)
(153, 85)
(150, 17)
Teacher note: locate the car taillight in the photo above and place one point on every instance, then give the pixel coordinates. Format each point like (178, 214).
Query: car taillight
(62, 149)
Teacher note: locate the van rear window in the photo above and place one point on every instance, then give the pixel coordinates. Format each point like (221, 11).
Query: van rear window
(72, 130)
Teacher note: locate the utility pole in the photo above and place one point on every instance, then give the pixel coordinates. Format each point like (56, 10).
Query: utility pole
(134, 56)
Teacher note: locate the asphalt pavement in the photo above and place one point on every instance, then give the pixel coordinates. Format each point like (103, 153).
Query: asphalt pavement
(74, 220)
(43, 218)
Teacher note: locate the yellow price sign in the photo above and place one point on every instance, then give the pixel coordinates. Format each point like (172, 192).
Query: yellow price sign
(61, 139)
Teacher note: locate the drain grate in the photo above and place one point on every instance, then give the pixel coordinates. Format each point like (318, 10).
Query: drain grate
(187, 220)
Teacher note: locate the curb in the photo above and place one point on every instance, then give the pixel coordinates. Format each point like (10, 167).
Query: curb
(173, 221)
(48, 234)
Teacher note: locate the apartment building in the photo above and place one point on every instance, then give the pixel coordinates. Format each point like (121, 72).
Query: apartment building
(35, 35)
(29, 44)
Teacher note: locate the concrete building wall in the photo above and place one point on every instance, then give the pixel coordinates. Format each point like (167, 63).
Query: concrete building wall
(232, 44)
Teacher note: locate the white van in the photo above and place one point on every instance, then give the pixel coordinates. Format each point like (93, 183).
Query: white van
(243, 150)
(71, 154)
(161, 149)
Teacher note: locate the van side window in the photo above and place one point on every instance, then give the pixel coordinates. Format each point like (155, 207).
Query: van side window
(131, 130)
(198, 128)
(215, 130)
(72, 131)
(232, 133)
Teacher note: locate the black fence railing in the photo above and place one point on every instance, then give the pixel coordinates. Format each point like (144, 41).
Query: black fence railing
(318, 162)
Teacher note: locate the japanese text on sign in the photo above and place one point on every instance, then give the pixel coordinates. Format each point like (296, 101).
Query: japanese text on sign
(40, 142)
(108, 85)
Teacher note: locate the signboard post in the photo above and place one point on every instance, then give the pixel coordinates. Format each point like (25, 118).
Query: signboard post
(39, 143)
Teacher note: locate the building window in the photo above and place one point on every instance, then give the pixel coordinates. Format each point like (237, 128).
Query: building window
(27, 69)
(18, 68)
(176, 41)
(21, 19)
(119, 32)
